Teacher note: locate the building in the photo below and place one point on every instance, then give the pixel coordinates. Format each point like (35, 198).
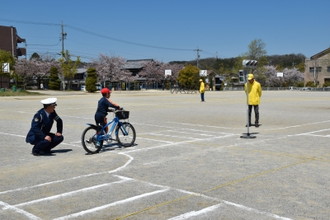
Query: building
(9, 40)
(136, 66)
(317, 69)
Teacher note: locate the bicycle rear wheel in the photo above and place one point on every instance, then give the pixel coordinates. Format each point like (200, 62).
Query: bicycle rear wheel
(125, 134)
(89, 142)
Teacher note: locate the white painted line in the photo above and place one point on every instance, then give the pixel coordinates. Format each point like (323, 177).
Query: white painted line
(198, 133)
(221, 202)
(311, 133)
(242, 207)
(172, 136)
(20, 211)
(73, 178)
(178, 143)
(78, 214)
(199, 125)
(15, 135)
(156, 140)
(316, 135)
(70, 193)
(196, 213)
(125, 165)
(22, 136)
(301, 125)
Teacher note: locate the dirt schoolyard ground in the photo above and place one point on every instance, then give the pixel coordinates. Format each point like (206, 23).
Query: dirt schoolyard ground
(189, 161)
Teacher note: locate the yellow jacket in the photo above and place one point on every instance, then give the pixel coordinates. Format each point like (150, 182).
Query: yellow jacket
(254, 92)
(202, 87)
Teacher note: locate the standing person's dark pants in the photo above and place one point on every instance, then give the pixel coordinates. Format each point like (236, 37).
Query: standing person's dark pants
(256, 114)
(202, 97)
(45, 146)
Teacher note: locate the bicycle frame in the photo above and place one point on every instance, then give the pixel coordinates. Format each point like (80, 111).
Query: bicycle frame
(115, 121)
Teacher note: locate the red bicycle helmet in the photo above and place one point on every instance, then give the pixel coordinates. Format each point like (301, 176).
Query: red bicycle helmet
(105, 91)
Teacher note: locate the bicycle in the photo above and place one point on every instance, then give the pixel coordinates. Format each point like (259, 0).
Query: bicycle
(177, 89)
(94, 136)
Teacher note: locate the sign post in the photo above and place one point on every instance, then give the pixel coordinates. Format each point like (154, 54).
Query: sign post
(5, 68)
(248, 64)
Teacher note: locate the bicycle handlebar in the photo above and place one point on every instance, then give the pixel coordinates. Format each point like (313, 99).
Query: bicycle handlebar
(115, 110)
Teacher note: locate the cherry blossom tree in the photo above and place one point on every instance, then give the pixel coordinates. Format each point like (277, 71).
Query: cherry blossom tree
(111, 69)
(291, 77)
(34, 71)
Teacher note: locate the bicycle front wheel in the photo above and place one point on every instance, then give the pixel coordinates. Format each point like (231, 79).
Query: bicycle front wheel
(125, 134)
(89, 141)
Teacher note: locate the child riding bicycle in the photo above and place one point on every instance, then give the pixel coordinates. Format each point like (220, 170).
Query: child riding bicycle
(103, 107)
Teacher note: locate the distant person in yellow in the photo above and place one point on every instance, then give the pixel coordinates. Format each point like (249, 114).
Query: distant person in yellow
(202, 89)
(253, 91)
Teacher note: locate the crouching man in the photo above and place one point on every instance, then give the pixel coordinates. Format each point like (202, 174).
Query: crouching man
(39, 134)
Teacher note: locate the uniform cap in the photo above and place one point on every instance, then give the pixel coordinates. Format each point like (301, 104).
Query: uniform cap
(250, 76)
(49, 101)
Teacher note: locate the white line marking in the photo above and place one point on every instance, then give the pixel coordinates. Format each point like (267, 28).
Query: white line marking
(15, 135)
(74, 215)
(178, 143)
(10, 207)
(255, 210)
(70, 193)
(312, 133)
(301, 125)
(156, 140)
(172, 136)
(196, 213)
(316, 135)
(199, 125)
(73, 178)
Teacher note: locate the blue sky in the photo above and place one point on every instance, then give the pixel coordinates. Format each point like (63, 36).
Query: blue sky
(167, 30)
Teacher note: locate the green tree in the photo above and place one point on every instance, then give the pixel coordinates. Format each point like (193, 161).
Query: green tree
(91, 80)
(189, 77)
(6, 57)
(54, 80)
(256, 50)
(69, 68)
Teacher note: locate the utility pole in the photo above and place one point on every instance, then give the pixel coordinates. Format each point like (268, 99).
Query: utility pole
(63, 37)
(198, 56)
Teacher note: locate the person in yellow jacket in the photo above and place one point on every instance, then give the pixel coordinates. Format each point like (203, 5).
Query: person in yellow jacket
(202, 89)
(253, 91)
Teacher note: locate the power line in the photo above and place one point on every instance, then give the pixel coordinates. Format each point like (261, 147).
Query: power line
(63, 37)
(30, 22)
(44, 45)
(125, 41)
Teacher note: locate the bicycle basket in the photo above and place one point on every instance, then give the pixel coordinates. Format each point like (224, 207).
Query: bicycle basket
(122, 114)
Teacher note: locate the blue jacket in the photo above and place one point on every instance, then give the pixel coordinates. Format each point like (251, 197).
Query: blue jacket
(41, 126)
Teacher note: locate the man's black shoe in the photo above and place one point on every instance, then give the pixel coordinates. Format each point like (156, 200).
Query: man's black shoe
(35, 153)
(42, 153)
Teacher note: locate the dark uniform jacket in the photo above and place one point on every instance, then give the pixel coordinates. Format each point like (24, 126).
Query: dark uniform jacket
(41, 126)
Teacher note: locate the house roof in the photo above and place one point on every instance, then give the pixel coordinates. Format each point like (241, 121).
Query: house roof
(320, 54)
(136, 64)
